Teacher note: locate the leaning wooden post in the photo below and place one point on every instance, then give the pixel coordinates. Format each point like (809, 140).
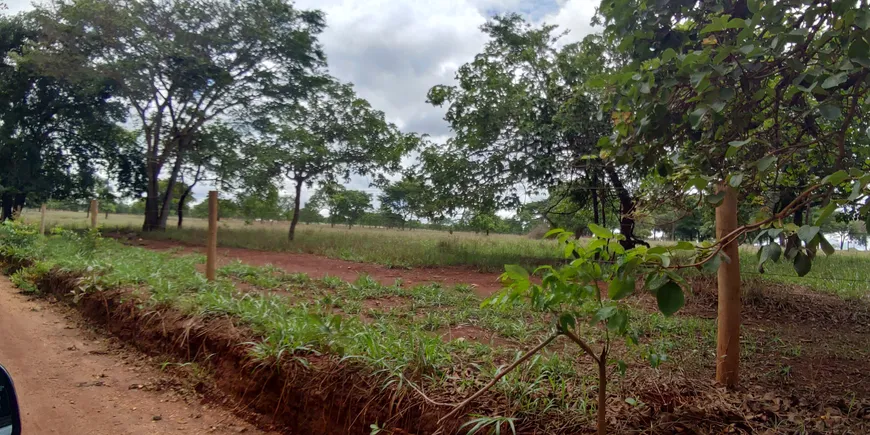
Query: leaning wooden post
(42, 219)
(728, 323)
(211, 246)
(93, 213)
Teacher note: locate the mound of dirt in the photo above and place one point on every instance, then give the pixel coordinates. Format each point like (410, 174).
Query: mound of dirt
(320, 396)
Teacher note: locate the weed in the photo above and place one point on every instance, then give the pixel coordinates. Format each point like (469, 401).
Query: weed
(492, 425)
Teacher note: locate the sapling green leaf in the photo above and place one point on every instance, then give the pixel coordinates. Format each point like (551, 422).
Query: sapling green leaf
(670, 298)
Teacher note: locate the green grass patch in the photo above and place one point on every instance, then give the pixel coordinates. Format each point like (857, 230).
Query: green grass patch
(392, 248)
(845, 274)
(401, 341)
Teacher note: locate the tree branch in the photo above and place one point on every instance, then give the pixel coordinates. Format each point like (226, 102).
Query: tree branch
(497, 377)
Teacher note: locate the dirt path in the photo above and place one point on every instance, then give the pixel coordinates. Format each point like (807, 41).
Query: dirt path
(485, 284)
(72, 381)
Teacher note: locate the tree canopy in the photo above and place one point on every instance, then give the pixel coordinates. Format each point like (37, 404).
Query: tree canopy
(329, 135)
(344, 205)
(55, 134)
(179, 65)
(524, 123)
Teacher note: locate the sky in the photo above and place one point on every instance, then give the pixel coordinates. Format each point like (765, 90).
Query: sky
(393, 51)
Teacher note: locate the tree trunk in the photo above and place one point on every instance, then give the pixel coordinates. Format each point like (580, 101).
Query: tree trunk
(602, 393)
(595, 200)
(167, 197)
(297, 205)
(181, 201)
(626, 208)
(728, 321)
(186, 193)
(7, 207)
(107, 213)
(799, 216)
(152, 197)
(18, 205)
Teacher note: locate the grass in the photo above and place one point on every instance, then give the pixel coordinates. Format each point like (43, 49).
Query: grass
(401, 334)
(390, 247)
(437, 339)
(845, 274)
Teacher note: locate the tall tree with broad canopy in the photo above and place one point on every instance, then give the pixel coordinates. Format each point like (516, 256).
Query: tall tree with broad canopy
(522, 117)
(55, 135)
(179, 65)
(329, 135)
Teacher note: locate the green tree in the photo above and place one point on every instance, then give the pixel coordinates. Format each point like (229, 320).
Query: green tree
(402, 200)
(107, 198)
(180, 65)
(344, 206)
(138, 208)
(521, 116)
(54, 135)
(331, 134)
(714, 97)
(213, 156)
(260, 205)
(484, 222)
(857, 234)
(758, 99)
(310, 214)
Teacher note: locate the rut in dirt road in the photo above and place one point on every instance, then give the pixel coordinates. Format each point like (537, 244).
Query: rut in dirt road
(69, 382)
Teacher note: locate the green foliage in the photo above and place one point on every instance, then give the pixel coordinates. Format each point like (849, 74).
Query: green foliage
(344, 206)
(54, 135)
(573, 291)
(261, 204)
(521, 114)
(176, 69)
(323, 138)
(491, 425)
(768, 97)
(404, 199)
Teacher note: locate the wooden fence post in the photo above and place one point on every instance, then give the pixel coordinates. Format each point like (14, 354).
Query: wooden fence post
(42, 219)
(211, 246)
(93, 213)
(728, 322)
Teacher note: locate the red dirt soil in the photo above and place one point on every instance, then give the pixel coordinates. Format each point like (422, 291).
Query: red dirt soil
(485, 284)
(72, 381)
(808, 347)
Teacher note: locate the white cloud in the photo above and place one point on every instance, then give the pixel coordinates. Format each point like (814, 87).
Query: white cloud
(573, 15)
(16, 6)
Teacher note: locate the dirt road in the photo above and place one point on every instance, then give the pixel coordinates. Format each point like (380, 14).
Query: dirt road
(485, 284)
(73, 381)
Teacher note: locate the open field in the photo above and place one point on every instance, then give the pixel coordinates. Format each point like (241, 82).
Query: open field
(388, 344)
(846, 273)
(390, 247)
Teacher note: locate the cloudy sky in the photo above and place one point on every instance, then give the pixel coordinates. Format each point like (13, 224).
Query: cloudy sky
(393, 51)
